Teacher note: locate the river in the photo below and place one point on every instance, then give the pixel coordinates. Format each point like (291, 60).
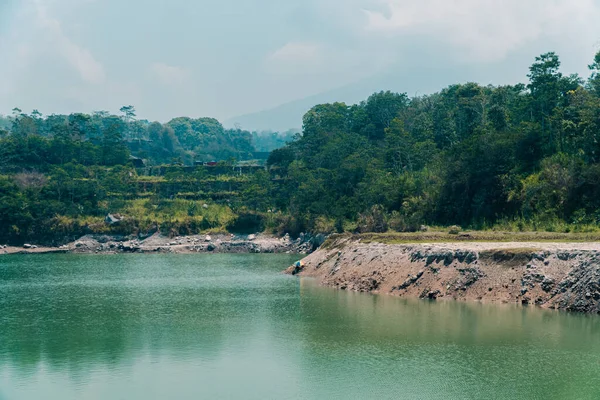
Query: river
(234, 327)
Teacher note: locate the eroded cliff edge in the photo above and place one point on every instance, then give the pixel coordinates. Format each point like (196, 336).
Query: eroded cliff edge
(563, 276)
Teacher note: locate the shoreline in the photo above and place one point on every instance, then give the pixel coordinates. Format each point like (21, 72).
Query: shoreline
(159, 244)
(562, 276)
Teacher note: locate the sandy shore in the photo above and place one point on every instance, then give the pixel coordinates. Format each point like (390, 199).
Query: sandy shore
(562, 276)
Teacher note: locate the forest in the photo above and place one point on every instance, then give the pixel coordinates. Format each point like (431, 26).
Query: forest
(522, 157)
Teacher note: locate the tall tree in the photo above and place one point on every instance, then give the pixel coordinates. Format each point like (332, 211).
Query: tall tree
(594, 80)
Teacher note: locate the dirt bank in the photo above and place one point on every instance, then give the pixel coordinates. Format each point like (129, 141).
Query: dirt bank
(563, 276)
(221, 243)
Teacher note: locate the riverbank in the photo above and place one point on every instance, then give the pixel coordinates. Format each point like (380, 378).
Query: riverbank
(553, 275)
(157, 243)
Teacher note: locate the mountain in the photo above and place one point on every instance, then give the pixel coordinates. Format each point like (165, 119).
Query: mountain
(415, 81)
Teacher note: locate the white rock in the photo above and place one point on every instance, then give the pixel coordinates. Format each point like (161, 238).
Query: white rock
(251, 237)
(207, 238)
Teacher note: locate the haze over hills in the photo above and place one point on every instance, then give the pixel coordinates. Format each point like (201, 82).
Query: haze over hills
(416, 81)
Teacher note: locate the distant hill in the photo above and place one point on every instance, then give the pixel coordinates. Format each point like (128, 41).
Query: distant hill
(289, 115)
(412, 81)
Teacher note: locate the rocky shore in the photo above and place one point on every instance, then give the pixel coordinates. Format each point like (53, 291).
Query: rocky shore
(157, 243)
(564, 276)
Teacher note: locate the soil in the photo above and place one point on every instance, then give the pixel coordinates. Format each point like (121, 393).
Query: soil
(563, 276)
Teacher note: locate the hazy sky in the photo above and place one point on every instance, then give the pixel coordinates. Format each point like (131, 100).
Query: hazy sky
(228, 57)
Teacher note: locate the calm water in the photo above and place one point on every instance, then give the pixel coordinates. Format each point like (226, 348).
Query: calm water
(233, 327)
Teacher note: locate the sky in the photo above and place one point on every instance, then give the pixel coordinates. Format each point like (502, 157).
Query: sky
(224, 58)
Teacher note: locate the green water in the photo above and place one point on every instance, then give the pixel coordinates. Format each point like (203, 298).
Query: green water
(233, 327)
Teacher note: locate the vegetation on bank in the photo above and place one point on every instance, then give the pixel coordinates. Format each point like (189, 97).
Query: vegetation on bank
(442, 236)
(514, 158)
(521, 157)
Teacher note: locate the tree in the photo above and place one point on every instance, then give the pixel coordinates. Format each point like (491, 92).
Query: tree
(381, 109)
(128, 117)
(594, 81)
(128, 113)
(544, 78)
(114, 151)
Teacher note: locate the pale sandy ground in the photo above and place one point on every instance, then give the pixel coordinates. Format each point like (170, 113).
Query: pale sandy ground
(39, 250)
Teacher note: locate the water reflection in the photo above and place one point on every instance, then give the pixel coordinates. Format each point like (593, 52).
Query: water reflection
(96, 311)
(233, 326)
(450, 349)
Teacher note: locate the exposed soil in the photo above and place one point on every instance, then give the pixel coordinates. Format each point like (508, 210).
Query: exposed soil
(563, 276)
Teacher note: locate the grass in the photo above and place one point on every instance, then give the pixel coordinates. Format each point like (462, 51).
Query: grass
(473, 236)
(179, 216)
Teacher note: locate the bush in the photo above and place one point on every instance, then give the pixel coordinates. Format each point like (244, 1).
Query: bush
(400, 223)
(290, 225)
(247, 222)
(323, 225)
(375, 220)
(454, 230)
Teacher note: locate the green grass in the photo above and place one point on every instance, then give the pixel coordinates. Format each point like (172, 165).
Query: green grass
(471, 236)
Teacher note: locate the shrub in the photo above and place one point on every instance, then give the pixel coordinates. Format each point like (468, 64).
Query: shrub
(247, 222)
(454, 230)
(374, 220)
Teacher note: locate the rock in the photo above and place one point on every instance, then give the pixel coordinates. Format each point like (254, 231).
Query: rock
(27, 246)
(205, 206)
(317, 241)
(207, 238)
(251, 237)
(469, 276)
(548, 284)
(113, 219)
(433, 295)
(410, 281)
(424, 228)
(173, 244)
(34, 247)
(211, 247)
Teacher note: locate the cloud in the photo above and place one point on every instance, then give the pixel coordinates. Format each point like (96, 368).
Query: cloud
(169, 75)
(485, 30)
(78, 57)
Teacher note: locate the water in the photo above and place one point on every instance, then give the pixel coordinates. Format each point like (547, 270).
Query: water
(233, 327)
